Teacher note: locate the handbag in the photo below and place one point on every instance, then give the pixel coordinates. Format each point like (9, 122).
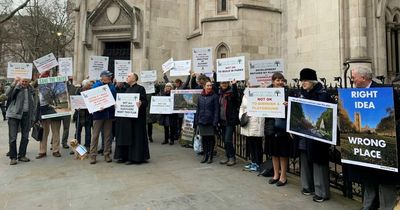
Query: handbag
(244, 120)
(37, 131)
(197, 145)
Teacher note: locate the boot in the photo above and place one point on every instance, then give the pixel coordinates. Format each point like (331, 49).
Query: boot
(231, 162)
(205, 158)
(93, 160)
(211, 152)
(107, 158)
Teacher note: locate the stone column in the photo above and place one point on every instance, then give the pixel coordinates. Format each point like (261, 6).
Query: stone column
(398, 45)
(393, 44)
(389, 51)
(358, 29)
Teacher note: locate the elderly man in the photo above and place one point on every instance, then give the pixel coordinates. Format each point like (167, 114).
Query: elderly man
(379, 186)
(21, 112)
(102, 120)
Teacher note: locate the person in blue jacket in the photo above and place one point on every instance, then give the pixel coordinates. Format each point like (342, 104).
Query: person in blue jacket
(102, 120)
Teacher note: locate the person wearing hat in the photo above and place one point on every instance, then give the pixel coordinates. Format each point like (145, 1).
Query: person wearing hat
(102, 120)
(314, 155)
(169, 121)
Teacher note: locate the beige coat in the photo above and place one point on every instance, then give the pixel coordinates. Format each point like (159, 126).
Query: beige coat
(255, 127)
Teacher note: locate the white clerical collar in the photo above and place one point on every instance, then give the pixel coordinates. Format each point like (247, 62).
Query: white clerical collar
(369, 85)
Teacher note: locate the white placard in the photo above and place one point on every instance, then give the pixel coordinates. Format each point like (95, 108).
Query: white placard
(125, 105)
(148, 76)
(45, 63)
(122, 69)
(149, 87)
(65, 66)
(262, 70)
(202, 60)
(161, 105)
(22, 70)
(97, 64)
(181, 68)
(168, 65)
(266, 102)
(77, 102)
(229, 69)
(98, 98)
(81, 150)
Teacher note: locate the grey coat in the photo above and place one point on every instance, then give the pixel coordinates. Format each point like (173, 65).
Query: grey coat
(17, 102)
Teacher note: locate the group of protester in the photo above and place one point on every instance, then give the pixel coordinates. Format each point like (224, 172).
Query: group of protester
(220, 108)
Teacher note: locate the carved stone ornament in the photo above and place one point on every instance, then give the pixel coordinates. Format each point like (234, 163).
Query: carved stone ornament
(113, 12)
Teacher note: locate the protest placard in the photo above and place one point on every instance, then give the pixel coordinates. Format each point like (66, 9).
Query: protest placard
(149, 87)
(99, 98)
(122, 68)
(368, 128)
(148, 76)
(266, 102)
(185, 101)
(181, 68)
(97, 64)
(45, 63)
(53, 95)
(262, 70)
(202, 60)
(229, 69)
(21, 70)
(168, 65)
(125, 105)
(65, 66)
(187, 132)
(312, 119)
(77, 102)
(161, 105)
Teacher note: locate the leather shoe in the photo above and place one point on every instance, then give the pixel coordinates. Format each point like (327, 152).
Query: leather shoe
(272, 181)
(164, 142)
(24, 159)
(280, 184)
(128, 162)
(65, 146)
(120, 161)
(56, 154)
(41, 155)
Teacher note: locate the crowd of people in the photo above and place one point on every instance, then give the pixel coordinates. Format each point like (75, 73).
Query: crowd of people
(220, 109)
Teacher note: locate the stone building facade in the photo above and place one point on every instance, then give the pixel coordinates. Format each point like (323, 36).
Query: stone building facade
(305, 33)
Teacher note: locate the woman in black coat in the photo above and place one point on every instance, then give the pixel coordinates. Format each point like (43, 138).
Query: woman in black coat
(169, 121)
(206, 120)
(314, 155)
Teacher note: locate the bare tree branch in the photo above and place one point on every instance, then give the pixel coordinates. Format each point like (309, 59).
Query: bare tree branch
(12, 13)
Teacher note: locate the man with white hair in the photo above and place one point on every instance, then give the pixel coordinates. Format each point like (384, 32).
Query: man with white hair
(379, 186)
(21, 113)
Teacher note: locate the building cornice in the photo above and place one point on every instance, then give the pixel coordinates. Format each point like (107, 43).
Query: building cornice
(258, 7)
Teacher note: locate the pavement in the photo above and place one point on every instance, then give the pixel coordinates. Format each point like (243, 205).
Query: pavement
(172, 179)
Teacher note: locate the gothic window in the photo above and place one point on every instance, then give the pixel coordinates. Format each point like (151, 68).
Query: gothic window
(393, 44)
(222, 51)
(222, 6)
(196, 14)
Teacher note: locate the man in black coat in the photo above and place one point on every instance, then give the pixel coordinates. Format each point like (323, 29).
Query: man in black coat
(131, 139)
(379, 186)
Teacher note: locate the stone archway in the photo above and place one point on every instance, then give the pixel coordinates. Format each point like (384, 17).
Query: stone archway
(393, 42)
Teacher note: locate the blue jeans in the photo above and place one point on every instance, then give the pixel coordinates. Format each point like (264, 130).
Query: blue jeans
(227, 136)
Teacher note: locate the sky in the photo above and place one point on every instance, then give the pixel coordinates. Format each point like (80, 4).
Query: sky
(312, 111)
(370, 117)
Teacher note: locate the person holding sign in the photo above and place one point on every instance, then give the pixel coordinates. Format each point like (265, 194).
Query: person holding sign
(20, 113)
(254, 132)
(314, 155)
(102, 121)
(228, 118)
(130, 133)
(277, 140)
(82, 118)
(379, 185)
(168, 120)
(206, 120)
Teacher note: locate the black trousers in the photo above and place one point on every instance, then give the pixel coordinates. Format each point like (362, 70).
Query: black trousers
(13, 125)
(169, 133)
(256, 150)
(208, 145)
(150, 130)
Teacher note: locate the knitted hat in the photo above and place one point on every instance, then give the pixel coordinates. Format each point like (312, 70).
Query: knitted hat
(308, 74)
(169, 84)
